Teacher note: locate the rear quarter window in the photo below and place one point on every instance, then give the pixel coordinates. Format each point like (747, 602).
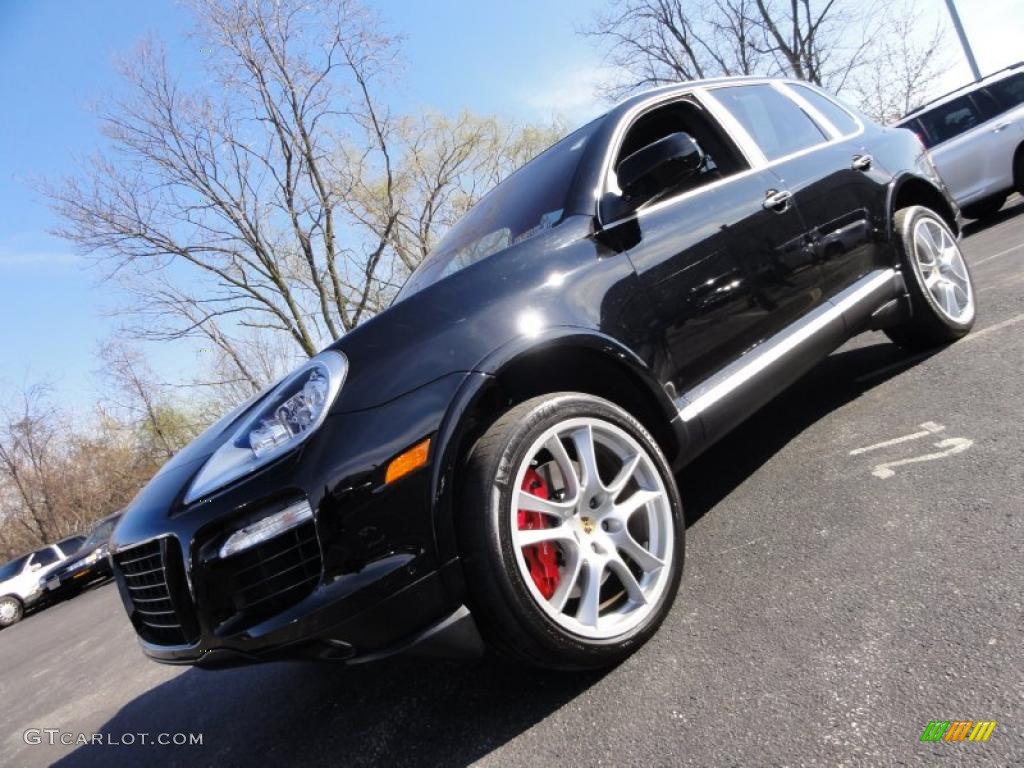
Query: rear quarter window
(918, 129)
(1007, 94)
(833, 112)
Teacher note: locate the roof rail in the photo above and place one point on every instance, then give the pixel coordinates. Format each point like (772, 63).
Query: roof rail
(962, 87)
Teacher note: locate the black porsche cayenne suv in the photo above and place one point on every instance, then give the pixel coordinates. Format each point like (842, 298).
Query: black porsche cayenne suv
(489, 463)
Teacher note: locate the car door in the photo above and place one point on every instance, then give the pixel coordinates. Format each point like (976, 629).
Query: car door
(846, 207)
(954, 133)
(814, 147)
(27, 580)
(1002, 106)
(721, 266)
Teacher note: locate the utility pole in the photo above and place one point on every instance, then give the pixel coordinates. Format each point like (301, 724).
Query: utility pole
(963, 39)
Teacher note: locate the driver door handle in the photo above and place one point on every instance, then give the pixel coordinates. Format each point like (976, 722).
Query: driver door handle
(778, 201)
(862, 162)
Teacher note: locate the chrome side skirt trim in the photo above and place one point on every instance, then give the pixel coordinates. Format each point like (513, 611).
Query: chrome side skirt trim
(709, 392)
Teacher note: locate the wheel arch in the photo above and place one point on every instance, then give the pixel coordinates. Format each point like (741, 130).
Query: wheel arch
(16, 597)
(908, 190)
(588, 362)
(1018, 168)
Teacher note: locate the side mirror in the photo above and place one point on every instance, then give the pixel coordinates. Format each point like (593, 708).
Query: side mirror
(658, 167)
(35, 567)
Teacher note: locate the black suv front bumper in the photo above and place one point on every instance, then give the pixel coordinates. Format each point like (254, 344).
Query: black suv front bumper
(361, 579)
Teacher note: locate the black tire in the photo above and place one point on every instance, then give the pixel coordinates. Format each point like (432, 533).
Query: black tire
(1018, 169)
(510, 619)
(928, 326)
(19, 611)
(990, 206)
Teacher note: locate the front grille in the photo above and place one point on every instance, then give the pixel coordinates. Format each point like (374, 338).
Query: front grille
(151, 573)
(271, 576)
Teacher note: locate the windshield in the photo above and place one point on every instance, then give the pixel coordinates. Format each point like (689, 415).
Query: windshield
(529, 201)
(13, 568)
(100, 534)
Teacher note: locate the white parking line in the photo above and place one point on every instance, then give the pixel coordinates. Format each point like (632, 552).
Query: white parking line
(993, 328)
(953, 445)
(928, 428)
(906, 362)
(997, 255)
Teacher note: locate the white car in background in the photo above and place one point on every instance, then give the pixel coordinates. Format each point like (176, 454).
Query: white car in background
(976, 138)
(21, 578)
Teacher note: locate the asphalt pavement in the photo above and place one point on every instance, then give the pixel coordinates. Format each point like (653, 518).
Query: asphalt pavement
(854, 571)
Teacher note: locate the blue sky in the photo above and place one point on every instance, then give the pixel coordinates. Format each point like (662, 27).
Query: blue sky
(520, 59)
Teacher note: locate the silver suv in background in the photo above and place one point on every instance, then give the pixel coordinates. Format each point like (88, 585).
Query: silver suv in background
(976, 138)
(20, 579)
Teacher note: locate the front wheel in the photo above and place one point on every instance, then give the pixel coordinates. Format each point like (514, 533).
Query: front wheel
(938, 280)
(11, 610)
(571, 531)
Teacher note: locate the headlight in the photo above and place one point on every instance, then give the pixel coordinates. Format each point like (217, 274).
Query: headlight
(286, 417)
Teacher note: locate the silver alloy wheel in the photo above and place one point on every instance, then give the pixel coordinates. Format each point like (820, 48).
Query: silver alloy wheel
(8, 609)
(943, 269)
(614, 536)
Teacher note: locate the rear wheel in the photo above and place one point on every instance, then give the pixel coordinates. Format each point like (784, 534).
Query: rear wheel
(988, 207)
(1018, 169)
(937, 278)
(11, 610)
(572, 532)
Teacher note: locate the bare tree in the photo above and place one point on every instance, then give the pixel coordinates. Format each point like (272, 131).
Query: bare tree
(906, 65)
(832, 43)
(283, 198)
(28, 443)
(664, 41)
(59, 474)
(137, 393)
(448, 163)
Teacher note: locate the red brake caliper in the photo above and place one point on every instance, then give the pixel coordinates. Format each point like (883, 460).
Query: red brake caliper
(542, 558)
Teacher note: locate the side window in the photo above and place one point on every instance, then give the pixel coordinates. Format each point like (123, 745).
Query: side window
(721, 157)
(45, 557)
(71, 544)
(1008, 93)
(834, 113)
(774, 121)
(986, 104)
(950, 120)
(13, 568)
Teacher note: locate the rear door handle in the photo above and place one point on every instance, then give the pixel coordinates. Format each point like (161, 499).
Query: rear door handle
(862, 162)
(778, 201)
(1000, 127)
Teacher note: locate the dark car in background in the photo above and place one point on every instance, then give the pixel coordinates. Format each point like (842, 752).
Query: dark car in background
(90, 564)
(491, 460)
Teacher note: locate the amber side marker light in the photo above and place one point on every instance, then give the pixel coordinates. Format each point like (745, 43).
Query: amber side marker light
(404, 463)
